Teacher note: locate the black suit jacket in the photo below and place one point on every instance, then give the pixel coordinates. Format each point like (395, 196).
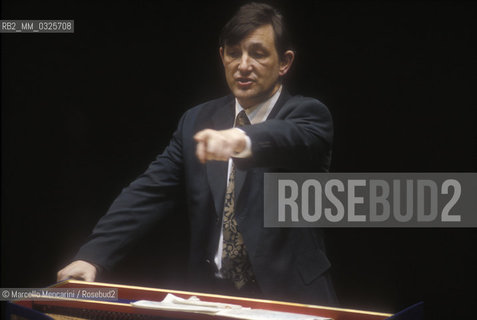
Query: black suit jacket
(288, 263)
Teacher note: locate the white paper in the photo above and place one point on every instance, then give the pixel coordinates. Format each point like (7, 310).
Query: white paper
(158, 305)
(193, 304)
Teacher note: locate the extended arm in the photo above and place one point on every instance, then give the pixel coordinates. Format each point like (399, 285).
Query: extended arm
(298, 138)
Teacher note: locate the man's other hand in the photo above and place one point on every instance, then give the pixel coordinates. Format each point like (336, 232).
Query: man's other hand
(219, 145)
(79, 270)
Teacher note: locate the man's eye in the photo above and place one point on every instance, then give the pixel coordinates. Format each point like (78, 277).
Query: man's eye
(233, 54)
(258, 54)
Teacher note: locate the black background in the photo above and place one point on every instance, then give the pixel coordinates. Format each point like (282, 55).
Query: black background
(83, 114)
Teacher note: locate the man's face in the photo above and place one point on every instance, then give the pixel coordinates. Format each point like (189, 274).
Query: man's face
(253, 67)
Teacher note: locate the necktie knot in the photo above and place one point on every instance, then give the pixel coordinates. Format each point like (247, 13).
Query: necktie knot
(242, 119)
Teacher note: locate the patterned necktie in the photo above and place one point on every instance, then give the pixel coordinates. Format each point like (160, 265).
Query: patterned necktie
(235, 263)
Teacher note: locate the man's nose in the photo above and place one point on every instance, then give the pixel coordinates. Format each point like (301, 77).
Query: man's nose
(245, 65)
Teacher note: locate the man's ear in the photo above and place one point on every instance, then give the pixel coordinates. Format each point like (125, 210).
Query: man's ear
(286, 62)
(221, 52)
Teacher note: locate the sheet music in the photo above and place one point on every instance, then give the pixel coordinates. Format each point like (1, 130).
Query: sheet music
(193, 304)
(173, 307)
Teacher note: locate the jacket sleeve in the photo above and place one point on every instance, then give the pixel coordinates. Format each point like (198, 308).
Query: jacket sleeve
(299, 138)
(138, 207)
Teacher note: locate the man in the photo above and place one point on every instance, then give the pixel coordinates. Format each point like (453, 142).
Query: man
(218, 169)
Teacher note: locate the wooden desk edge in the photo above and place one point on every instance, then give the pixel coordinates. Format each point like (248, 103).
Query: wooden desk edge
(211, 295)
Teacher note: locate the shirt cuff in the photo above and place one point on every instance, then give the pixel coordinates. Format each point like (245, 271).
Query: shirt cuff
(247, 151)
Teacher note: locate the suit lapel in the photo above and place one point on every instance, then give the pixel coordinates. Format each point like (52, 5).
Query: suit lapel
(222, 119)
(284, 96)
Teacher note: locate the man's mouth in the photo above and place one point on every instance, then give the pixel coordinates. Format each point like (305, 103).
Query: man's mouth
(244, 82)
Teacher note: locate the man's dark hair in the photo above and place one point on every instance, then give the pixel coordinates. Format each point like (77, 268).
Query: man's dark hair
(252, 16)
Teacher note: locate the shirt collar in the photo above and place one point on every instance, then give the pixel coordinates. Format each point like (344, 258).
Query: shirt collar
(260, 112)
